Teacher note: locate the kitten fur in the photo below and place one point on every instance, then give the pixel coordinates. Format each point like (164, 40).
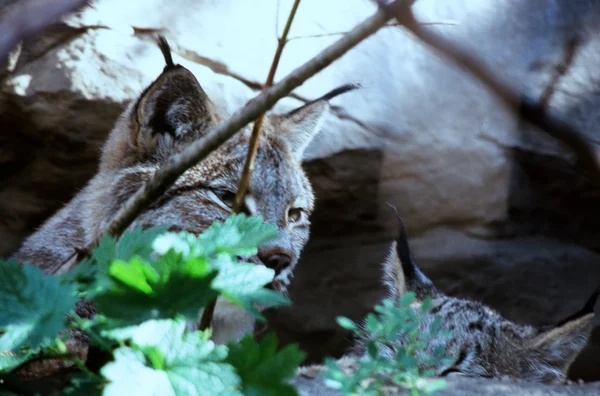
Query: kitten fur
(482, 342)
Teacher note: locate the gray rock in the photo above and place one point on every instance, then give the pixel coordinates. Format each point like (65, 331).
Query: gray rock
(468, 387)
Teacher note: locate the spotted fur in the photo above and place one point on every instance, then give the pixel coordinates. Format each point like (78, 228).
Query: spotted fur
(484, 343)
(170, 114)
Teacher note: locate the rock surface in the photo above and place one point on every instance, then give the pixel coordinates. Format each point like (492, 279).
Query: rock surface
(495, 210)
(469, 387)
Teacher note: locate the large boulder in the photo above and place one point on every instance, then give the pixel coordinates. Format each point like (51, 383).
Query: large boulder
(495, 209)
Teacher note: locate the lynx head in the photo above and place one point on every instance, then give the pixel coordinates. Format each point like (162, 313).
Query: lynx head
(173, 112)
(483, 343)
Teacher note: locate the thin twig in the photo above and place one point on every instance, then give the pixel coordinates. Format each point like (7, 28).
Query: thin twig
(523, 106)
(202, 147)
(560, 70)
(28, 17)
(277, 19)
(392, 24)
(252, 147)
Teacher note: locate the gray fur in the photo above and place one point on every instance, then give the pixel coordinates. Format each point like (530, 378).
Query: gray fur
(172, 112)
(483, 342)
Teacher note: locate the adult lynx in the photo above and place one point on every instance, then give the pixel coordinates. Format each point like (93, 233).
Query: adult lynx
(171, 113)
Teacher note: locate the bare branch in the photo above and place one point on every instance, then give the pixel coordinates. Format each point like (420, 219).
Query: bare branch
(523, 106)
(391, 24)
(27, 17)
(207, 314)
(253, 145)
(277, 19)
(202, 147)
(560, 70)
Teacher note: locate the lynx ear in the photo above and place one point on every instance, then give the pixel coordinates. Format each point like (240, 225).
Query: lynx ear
(400, 272)
(299, 127)
(555, 349)
(173, 111)
(393, 276)
(550, 353)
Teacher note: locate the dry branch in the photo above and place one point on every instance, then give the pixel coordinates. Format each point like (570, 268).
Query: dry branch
(253, 145)
(24, 18)
(523, 106)
(207, 314)
(560, 70)
(201, 148)
(392, 24)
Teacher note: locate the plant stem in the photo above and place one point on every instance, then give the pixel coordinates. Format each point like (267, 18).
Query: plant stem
(99, 340)
(81, 366)
(252, 147)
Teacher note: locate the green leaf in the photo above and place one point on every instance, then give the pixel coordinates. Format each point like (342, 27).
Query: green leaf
(164, 360)
(9, 359)
(346, 323)
(263, 369)
(83, 384)
(135, 274)
(239, 235)
(183, 243)
(130, 368)
(148, 333)
(243, 284)
(138, 242)
(372, 349)
(434, 386)
(190, 272)
(91, 274)
(426, 304)
(407, 298)
(398, 324)
(140, 291)
(34, 306)
(252, 229)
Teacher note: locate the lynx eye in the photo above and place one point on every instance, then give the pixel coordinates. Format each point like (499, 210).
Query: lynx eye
(294, 215)
(226, 196)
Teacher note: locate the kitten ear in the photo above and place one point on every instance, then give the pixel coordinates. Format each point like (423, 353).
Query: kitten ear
(172, 112)
(298, 127)
(556, 348)
(401, 273)
(393, 276)
(551, 353)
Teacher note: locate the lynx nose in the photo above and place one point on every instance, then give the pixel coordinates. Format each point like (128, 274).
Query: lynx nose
(276, 261)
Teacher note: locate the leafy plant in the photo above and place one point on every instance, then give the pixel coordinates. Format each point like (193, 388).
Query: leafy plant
(147, 287)
(262, 369)
(410, 364)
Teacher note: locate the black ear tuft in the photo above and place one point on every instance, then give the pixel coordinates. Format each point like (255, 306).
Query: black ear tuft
(415, 280)
(339, 91)
(165, 48)
(588, 308)
(328, 96)
(299, 126)
(402, 249)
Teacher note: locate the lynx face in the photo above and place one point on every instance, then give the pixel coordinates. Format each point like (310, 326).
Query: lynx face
(173, 112)
(484, 343)
(169, 115)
